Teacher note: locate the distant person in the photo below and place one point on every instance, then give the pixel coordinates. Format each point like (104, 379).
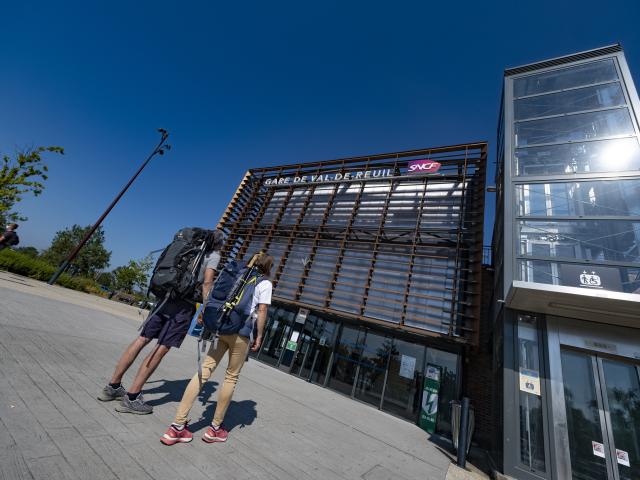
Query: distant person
(169, 325)
(236, 341)
(9, 238)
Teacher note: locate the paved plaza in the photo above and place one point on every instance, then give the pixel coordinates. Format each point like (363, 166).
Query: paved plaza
(58, 348)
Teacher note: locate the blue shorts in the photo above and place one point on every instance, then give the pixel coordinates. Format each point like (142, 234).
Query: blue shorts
(170, 324)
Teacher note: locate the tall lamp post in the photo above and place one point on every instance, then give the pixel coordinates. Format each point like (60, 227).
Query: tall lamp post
(160, 149)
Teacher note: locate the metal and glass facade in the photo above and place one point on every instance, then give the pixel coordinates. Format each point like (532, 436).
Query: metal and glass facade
(567, 258)
(377, 268)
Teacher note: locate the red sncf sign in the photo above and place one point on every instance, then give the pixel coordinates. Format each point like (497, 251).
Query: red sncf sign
(423, 166)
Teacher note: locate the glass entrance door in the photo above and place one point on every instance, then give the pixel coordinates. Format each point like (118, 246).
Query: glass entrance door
(602, 401)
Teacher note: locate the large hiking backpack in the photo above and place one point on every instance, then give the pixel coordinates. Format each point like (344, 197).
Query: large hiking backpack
(228, 307)
(177, 272)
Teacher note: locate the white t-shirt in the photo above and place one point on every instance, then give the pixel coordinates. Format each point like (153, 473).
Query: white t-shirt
(261, 294)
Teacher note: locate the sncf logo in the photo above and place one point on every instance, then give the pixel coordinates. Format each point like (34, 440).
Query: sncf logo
(423, 166)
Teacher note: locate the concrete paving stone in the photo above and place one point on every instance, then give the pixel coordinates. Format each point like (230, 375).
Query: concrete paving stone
(58, 349)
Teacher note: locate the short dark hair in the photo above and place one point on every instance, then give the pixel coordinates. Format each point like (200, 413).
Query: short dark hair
(218, 240)
(264, 263)
(13, 226)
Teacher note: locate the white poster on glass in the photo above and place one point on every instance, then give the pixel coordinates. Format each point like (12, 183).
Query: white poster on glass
(407, 366)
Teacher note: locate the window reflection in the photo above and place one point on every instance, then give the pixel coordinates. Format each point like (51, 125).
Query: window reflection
(601, 240)
(582, 99)
(574, 128)
(599, 198)
(585, 74)
(617, 155)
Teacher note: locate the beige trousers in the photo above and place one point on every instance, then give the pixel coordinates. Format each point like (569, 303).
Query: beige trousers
(238, 347)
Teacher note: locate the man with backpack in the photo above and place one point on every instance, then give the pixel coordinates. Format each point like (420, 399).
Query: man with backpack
(169, 322)
(9, 238)
(231, 314)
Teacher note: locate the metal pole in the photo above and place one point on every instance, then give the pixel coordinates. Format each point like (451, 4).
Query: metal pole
(463, 433)
(160, 148)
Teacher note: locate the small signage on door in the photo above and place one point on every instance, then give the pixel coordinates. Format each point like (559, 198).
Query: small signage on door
(407, 366)
(623, 458)
(530, 381)
(301, 317)
(598, 449)
(591, 276)
(292, 346)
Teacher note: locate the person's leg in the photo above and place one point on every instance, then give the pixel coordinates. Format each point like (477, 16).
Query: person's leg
(238, 347)
(147, 368)
(193, 388)
(127, 358)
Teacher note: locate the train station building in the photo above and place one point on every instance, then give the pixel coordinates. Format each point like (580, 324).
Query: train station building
(377, 274)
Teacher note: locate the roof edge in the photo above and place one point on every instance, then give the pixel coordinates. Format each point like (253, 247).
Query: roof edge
(596, 52)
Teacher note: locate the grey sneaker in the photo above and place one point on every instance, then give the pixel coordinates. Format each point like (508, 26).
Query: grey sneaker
(136, 406)
(109, 393)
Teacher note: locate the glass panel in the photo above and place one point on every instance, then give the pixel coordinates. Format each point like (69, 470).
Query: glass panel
(618, 279)
(583, 418)
(346, 359)
(590, 98)
(602, 240)
(586, 74)
(373, 364)
(600, 198)
(402, 395)
(623, 393)
(317, 363)
(531, 426)
(618, 155)
(276, 335)
(574, 128)
(448, 386)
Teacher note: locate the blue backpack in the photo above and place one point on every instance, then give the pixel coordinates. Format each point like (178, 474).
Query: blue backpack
(228, 308)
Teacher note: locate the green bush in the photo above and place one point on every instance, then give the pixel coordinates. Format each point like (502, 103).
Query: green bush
(27, 266)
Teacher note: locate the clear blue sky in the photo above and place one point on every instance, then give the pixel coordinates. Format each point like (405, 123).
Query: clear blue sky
(245, 84)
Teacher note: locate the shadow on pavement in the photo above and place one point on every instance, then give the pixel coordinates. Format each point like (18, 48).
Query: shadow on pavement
(173, 390)
(240, 414)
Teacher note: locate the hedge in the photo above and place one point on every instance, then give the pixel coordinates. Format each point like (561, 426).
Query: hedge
(21, 264)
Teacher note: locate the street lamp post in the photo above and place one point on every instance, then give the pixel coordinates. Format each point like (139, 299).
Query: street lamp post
(160, 149)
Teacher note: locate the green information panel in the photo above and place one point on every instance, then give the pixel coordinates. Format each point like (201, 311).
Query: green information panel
(292, 345)
(429, 412)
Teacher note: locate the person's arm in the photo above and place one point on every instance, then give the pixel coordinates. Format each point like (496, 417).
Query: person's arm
(209, 277)
(262, 308)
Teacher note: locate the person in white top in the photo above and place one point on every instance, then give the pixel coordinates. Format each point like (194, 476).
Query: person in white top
(237, 344)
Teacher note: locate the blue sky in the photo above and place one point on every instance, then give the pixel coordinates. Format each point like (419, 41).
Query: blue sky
(246, 84)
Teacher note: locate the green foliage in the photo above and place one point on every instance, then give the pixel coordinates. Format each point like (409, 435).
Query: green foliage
(133, 274)
(106, 279)
(19, 176)
(28, 251)
(93, 256)
(22, 264)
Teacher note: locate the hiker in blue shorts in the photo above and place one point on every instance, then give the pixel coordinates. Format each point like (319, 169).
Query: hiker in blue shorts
(169, 325)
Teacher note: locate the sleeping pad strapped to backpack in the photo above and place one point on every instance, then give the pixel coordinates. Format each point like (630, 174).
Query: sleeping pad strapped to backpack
(176, 273)
(228, 308)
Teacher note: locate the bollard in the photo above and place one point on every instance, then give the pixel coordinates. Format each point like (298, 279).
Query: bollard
(463, 433)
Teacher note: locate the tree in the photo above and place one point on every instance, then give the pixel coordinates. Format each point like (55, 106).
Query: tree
(19, 176)
(133, 274)
(92, 257)
(106, 279)
(28, 251)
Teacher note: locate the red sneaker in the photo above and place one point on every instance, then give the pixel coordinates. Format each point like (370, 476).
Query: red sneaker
(211, 435)
(173, 436)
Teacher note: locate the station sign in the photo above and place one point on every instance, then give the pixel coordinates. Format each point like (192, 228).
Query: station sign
(414, 167)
